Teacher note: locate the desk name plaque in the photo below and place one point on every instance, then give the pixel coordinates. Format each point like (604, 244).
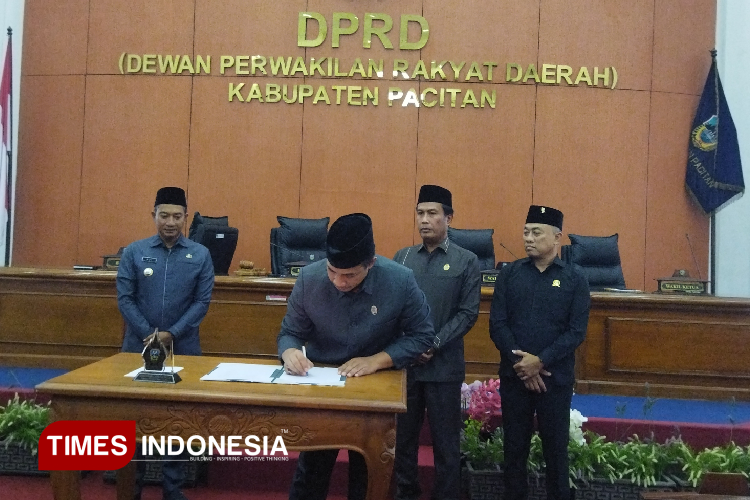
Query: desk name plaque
(489, 277)
(681, 282)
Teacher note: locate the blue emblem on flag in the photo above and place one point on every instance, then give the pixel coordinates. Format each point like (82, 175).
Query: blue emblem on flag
(705, 135)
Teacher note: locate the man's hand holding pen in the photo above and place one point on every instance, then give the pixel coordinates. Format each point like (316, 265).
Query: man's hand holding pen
(296, 362)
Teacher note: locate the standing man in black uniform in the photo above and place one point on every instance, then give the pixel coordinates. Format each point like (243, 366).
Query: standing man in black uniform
(450, 278)
(538, 318)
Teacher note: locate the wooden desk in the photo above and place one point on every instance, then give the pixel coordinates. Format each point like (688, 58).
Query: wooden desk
(637, 344)
(666, 346)
(648, 344)
(360, 416)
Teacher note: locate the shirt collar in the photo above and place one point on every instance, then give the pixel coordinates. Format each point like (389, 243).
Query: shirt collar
(559, 262)
(156, 241)
(443, 244)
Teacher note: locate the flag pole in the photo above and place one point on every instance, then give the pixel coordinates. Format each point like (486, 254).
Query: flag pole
(9, 182)
(712, 255)
(712, 223)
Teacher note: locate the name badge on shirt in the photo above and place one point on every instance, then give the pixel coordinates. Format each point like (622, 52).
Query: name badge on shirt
(148, 259)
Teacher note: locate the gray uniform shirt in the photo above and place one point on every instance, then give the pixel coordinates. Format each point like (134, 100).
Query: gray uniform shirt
(450, 278)
(164, 288)
(389, 313)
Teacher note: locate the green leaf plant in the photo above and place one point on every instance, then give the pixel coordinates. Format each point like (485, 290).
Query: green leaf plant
(22, 422)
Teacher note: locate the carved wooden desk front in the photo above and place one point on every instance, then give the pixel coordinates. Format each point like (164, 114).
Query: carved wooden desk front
(360, 416)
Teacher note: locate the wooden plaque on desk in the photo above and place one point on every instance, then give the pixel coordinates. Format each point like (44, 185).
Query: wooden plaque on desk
(683, 285)
(489, 277)
(111, 262)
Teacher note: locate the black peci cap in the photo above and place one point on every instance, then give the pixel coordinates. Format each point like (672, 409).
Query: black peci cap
(350, 241)
(545, 215)
(435, 194)
(171, 196)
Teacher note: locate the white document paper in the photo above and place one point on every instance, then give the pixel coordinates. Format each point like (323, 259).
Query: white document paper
(241, 372)
(272, 374)
(316, 376)
(167, 369)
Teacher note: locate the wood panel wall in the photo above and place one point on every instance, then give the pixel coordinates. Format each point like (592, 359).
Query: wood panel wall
(95, 145)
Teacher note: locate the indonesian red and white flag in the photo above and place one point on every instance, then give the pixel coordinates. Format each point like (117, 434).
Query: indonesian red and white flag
(5, 144)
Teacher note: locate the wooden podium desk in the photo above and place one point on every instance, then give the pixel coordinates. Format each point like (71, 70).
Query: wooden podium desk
(636, 344)
(360, 416)
(648, 344)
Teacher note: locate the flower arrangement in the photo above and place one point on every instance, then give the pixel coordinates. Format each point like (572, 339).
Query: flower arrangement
(642, 462)
(576, 427)
(481, 400)
(482, 445)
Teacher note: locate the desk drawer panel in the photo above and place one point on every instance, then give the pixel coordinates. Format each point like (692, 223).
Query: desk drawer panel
(671, 347)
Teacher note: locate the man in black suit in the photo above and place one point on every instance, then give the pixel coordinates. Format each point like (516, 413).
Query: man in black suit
(450, 278)
(539, 316)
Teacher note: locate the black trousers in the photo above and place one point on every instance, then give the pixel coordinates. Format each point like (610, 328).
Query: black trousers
(442, 400)
(173, 472)
(552, 410)
(313, 475)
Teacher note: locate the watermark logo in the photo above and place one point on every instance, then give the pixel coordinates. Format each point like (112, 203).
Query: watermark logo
(111, 444)
(222, 448)
(87, 445)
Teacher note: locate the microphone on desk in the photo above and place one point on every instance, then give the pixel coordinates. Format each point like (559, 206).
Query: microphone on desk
(695, 261)
(514, 256)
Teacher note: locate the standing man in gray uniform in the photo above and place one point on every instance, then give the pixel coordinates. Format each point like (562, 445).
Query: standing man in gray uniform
(164, 286)
(360, 312)
(450, 278)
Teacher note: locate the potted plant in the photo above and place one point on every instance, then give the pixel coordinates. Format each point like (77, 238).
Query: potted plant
(730, 458)
(481, 444)
(21, 425)
(482, 451)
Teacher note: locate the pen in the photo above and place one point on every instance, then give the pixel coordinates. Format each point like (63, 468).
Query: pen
(304, 353)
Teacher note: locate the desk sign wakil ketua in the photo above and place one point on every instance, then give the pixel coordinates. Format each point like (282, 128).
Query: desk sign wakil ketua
(154, 355)
(681, 282)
